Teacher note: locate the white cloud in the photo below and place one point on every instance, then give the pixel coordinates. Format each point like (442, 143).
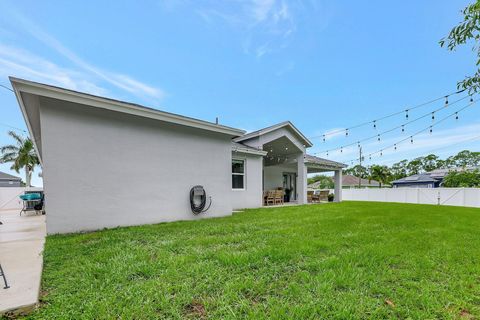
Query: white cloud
(118, 80)
(23, 64)
(266, 24)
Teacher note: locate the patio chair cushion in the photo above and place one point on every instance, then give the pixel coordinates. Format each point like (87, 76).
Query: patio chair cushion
(31, 196)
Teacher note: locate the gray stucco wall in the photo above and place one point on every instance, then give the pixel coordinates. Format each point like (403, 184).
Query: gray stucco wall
(107, 169)
(251, 196)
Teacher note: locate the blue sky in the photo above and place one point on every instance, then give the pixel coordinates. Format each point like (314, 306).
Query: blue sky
(323, 65)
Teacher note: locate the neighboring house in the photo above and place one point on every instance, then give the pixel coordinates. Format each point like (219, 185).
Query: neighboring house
(432, 179)
(349, 181)
(109, 163)
(7, 180)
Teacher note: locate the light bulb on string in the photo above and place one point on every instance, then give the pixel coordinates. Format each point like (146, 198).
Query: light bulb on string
(374, 124)
(323, 138)
(406, 114)
(431, 130)
(471, 99)
(456, 115)
(327, 153)
(341, 149)
(446, 100)
(411, 139)
(378, 138)
(358, 144)
(346, 132)
(403, 128)
(381, 153)
(433, 115)
(395, 146)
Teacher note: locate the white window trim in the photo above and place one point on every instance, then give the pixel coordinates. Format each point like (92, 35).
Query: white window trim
(244, 174)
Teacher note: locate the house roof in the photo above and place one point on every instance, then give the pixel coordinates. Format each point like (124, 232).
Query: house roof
(432, 176)
(274, 127)
(349, 180)
(40, 89)
(6, 176)
(241, 148)
(313, 160)
(417, 178)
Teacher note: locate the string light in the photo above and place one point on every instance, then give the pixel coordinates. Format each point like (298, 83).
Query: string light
(378, 138)
(446, 99)
(358, 144)
(374, 124)
(433, 115)
(406, 111)
(381, 153)
(402, 126)
(346, 132)
(429, 128)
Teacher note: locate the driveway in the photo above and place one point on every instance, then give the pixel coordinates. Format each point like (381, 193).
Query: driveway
(21, 256)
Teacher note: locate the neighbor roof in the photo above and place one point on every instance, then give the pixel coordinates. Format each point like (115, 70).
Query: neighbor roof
(350, 180)
(309, 159)
(274, 127)
(422, 177)
(6, 176)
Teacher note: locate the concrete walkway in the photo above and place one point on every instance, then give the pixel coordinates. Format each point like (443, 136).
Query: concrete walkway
(21, 247)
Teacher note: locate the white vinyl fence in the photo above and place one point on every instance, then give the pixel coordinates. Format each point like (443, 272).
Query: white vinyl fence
(9, 197)
(465, 197)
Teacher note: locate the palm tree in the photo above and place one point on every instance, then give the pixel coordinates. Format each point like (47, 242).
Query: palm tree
(379, 173)
(22, 155)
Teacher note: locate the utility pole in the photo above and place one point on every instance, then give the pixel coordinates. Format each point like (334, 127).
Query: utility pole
(360, 161)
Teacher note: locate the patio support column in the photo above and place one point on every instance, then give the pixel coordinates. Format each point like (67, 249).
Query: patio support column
(338, 185)
(301, 179)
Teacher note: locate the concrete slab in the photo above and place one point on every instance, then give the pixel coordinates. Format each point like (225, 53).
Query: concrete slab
(21, 255)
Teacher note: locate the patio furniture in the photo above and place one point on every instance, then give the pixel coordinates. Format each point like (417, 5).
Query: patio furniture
(2, 274)
(309, 196)
(32, 202)
(270, 197)
(323, 195)
(278, 197)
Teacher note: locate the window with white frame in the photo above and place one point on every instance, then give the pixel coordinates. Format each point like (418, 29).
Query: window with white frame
(238, 174)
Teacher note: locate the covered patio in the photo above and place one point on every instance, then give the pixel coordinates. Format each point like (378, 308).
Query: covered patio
(286, 164)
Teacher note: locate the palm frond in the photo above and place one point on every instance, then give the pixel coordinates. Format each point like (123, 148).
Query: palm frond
(20, 140)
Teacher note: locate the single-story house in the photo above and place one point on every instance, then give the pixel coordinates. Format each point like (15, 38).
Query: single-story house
(349, 181)
(7, 180)
(109, 163)
(432, 179)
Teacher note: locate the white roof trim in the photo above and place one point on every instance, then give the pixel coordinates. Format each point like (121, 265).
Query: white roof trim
(20, 85)
(249, 151)
(257, 133)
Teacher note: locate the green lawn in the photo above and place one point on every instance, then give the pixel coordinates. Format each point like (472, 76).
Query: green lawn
(349, 260)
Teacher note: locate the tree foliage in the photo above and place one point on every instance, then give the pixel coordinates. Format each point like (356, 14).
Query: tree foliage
(325, 182)
(22, 155)
(467, 31)
(462, 179)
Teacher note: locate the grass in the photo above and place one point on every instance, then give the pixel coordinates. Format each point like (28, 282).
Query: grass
(350, 260)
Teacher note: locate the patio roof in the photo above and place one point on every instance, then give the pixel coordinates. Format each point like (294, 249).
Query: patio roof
(274, 127)
(316, 164)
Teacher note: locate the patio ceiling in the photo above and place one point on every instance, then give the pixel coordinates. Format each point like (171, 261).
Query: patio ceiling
(279, 151)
